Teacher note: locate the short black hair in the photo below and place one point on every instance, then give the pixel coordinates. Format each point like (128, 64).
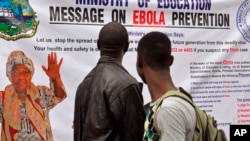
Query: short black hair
(113, 37)
(155, 49)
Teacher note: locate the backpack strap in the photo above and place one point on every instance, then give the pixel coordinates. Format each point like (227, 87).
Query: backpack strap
(177, 93)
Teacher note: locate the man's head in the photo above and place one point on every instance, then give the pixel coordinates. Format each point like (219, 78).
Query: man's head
(19, 70)
(113, 40)
(154, 51)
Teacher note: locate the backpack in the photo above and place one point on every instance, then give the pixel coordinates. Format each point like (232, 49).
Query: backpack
(206, 126)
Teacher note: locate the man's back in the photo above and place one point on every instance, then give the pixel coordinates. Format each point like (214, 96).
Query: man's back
(109, 105)
(177, 118)
(169, 119)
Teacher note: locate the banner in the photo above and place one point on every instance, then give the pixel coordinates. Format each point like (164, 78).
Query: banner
(210, 44)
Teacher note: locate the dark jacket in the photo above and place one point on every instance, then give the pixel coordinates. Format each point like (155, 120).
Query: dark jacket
(108, 105)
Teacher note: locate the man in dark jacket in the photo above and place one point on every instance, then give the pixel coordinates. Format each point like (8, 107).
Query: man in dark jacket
(108, 103)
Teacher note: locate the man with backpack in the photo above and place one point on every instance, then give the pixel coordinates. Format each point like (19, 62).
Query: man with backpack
(175, 119)
(172, 115)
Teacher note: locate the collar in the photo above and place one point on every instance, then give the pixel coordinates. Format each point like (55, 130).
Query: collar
(108, 59)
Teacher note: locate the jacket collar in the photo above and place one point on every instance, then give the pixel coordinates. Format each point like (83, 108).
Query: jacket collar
(108, 59)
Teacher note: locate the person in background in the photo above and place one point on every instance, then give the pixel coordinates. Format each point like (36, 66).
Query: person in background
(24, 107)
(176, 118)
(109, 103)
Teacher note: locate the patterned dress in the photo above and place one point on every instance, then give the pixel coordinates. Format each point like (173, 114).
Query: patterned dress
(29, 121)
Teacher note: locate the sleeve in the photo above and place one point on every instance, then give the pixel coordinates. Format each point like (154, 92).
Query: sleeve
(170, 121)
(48, 96)
(127, 110)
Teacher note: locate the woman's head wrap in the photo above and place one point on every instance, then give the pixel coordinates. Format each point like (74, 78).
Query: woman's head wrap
(18, 57)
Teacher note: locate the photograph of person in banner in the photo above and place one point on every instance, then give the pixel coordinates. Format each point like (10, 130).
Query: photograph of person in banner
(24, 107)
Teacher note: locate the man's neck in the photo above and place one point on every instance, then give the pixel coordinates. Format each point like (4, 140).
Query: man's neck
(159, 84)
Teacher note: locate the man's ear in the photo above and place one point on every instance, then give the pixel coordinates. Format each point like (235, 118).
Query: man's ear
(171, 60)
(98, 44)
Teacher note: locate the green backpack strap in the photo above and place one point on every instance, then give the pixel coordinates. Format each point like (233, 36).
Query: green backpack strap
(178, 93)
